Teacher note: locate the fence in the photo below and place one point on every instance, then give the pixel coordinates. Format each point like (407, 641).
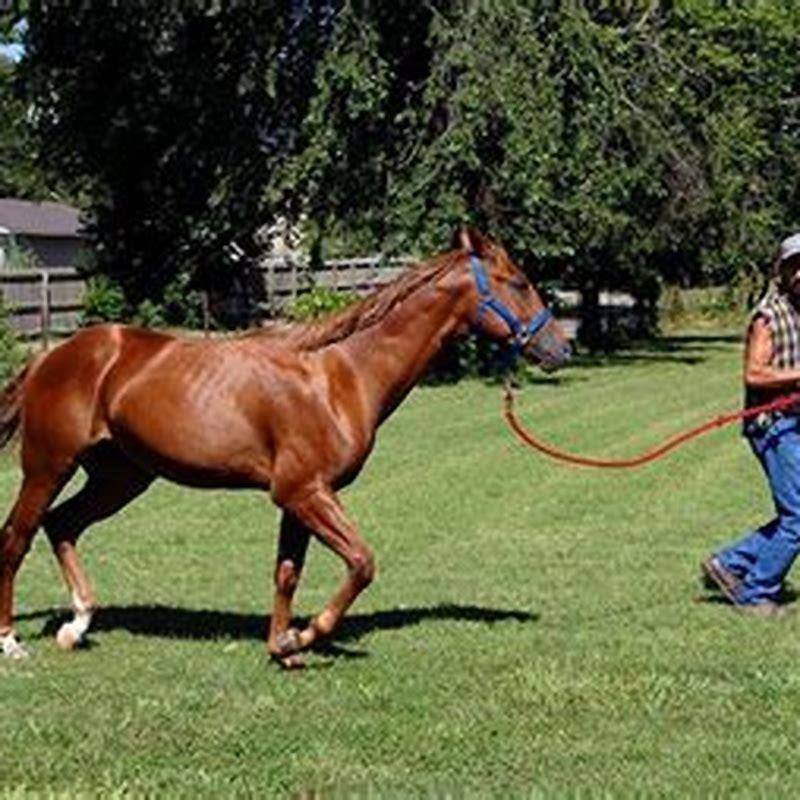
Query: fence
(47, 302)
(43, 302)
(284, 278)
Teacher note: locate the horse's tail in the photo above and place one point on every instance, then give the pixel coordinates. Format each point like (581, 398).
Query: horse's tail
(11, 396)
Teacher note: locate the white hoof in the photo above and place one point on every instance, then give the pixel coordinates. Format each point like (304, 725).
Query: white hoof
(12, 647)
(68, 638)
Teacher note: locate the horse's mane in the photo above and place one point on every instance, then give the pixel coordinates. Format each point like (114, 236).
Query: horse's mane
(363, 313)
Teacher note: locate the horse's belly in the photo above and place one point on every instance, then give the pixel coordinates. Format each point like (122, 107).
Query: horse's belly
(219, 449)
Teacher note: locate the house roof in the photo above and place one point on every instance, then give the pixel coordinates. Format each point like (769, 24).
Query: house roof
(39, 219)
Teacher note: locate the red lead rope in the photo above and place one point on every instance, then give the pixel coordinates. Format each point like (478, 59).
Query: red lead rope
(650, 455)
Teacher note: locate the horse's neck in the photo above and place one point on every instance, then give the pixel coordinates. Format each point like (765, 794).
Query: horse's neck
(392, 356)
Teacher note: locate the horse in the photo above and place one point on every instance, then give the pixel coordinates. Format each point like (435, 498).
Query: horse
(289, 409)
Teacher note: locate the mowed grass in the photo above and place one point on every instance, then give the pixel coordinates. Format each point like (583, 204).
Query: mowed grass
(534, 629)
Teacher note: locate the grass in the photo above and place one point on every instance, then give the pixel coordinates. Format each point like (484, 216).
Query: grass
(533, 630)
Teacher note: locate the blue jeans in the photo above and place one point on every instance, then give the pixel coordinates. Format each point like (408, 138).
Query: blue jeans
(763, 557)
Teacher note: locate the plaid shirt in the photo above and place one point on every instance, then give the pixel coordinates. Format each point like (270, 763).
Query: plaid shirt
(783, 321)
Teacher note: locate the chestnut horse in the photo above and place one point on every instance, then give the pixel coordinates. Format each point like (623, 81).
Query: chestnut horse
(291, 409)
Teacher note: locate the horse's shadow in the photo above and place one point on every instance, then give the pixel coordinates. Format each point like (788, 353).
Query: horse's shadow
(204, 624)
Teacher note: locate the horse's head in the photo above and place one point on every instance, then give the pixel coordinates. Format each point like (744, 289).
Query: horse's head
(507, 307)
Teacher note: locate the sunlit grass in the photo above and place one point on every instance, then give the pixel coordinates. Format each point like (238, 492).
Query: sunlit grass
(532, 629)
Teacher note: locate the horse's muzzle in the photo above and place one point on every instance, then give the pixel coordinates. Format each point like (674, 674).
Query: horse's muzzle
(549, 351)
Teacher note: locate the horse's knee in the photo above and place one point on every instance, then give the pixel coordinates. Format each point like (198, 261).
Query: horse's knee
(14, 544)
(362, 566)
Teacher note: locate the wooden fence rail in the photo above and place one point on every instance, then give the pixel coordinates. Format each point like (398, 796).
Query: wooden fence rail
(47, 302)
(284, 278)
(43, 303)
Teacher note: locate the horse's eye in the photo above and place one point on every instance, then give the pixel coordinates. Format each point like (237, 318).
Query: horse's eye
(519, 283)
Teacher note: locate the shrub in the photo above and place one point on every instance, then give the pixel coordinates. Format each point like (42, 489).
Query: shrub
(19, 258)
(709, 307)
(149, 315)
(318, 302)
(104, 301)
(12, 354)
(181, 305)
(474, 357)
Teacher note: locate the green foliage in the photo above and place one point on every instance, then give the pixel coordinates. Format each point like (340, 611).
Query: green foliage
(12, 355)
(18, 257)
(103, 301)
(608, 146)
(171, 123)
(318, 302)
(20, 173)
(149, 315)
(181, 307)
(475, 357)
(707, 308)
(626, 145)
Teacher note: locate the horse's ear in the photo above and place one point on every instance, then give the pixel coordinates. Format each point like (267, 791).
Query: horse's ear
(470, 240)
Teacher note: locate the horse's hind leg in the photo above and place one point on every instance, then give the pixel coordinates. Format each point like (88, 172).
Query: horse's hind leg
(36, 493)
(113, 482)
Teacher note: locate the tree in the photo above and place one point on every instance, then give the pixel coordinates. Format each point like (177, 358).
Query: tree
(615, 146)
(739, 75)
(523, 123)
(171, 123)
(20, 173)
(608, 145)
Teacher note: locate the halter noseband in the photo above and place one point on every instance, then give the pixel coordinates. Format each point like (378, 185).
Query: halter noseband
(521, 332)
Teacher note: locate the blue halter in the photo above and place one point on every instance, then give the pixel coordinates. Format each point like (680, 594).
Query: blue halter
(489, 302)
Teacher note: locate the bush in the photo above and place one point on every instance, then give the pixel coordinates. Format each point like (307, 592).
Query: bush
(181, 305)
(709, 307)
(474, 357)
(104, 301)
(318, 302)
(19, 258)
(12, 354)
(149, 315)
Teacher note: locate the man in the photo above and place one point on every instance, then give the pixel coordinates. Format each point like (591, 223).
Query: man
(750, 572)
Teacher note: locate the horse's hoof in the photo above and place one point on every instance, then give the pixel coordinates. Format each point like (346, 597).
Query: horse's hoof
(67, 638)
(292, 662)
(288, 642)
(13, 649)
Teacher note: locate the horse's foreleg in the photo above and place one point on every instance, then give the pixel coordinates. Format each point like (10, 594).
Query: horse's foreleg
(292, 547)
(323, 514)
(103, 495)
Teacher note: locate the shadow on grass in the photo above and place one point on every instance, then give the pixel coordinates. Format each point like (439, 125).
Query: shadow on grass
(788, 595)
(203, 624)
(688, 349)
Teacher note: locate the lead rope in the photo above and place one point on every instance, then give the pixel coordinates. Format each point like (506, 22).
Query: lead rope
(649, 455)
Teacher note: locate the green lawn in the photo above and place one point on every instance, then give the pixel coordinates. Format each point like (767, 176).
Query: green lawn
(533, 630)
